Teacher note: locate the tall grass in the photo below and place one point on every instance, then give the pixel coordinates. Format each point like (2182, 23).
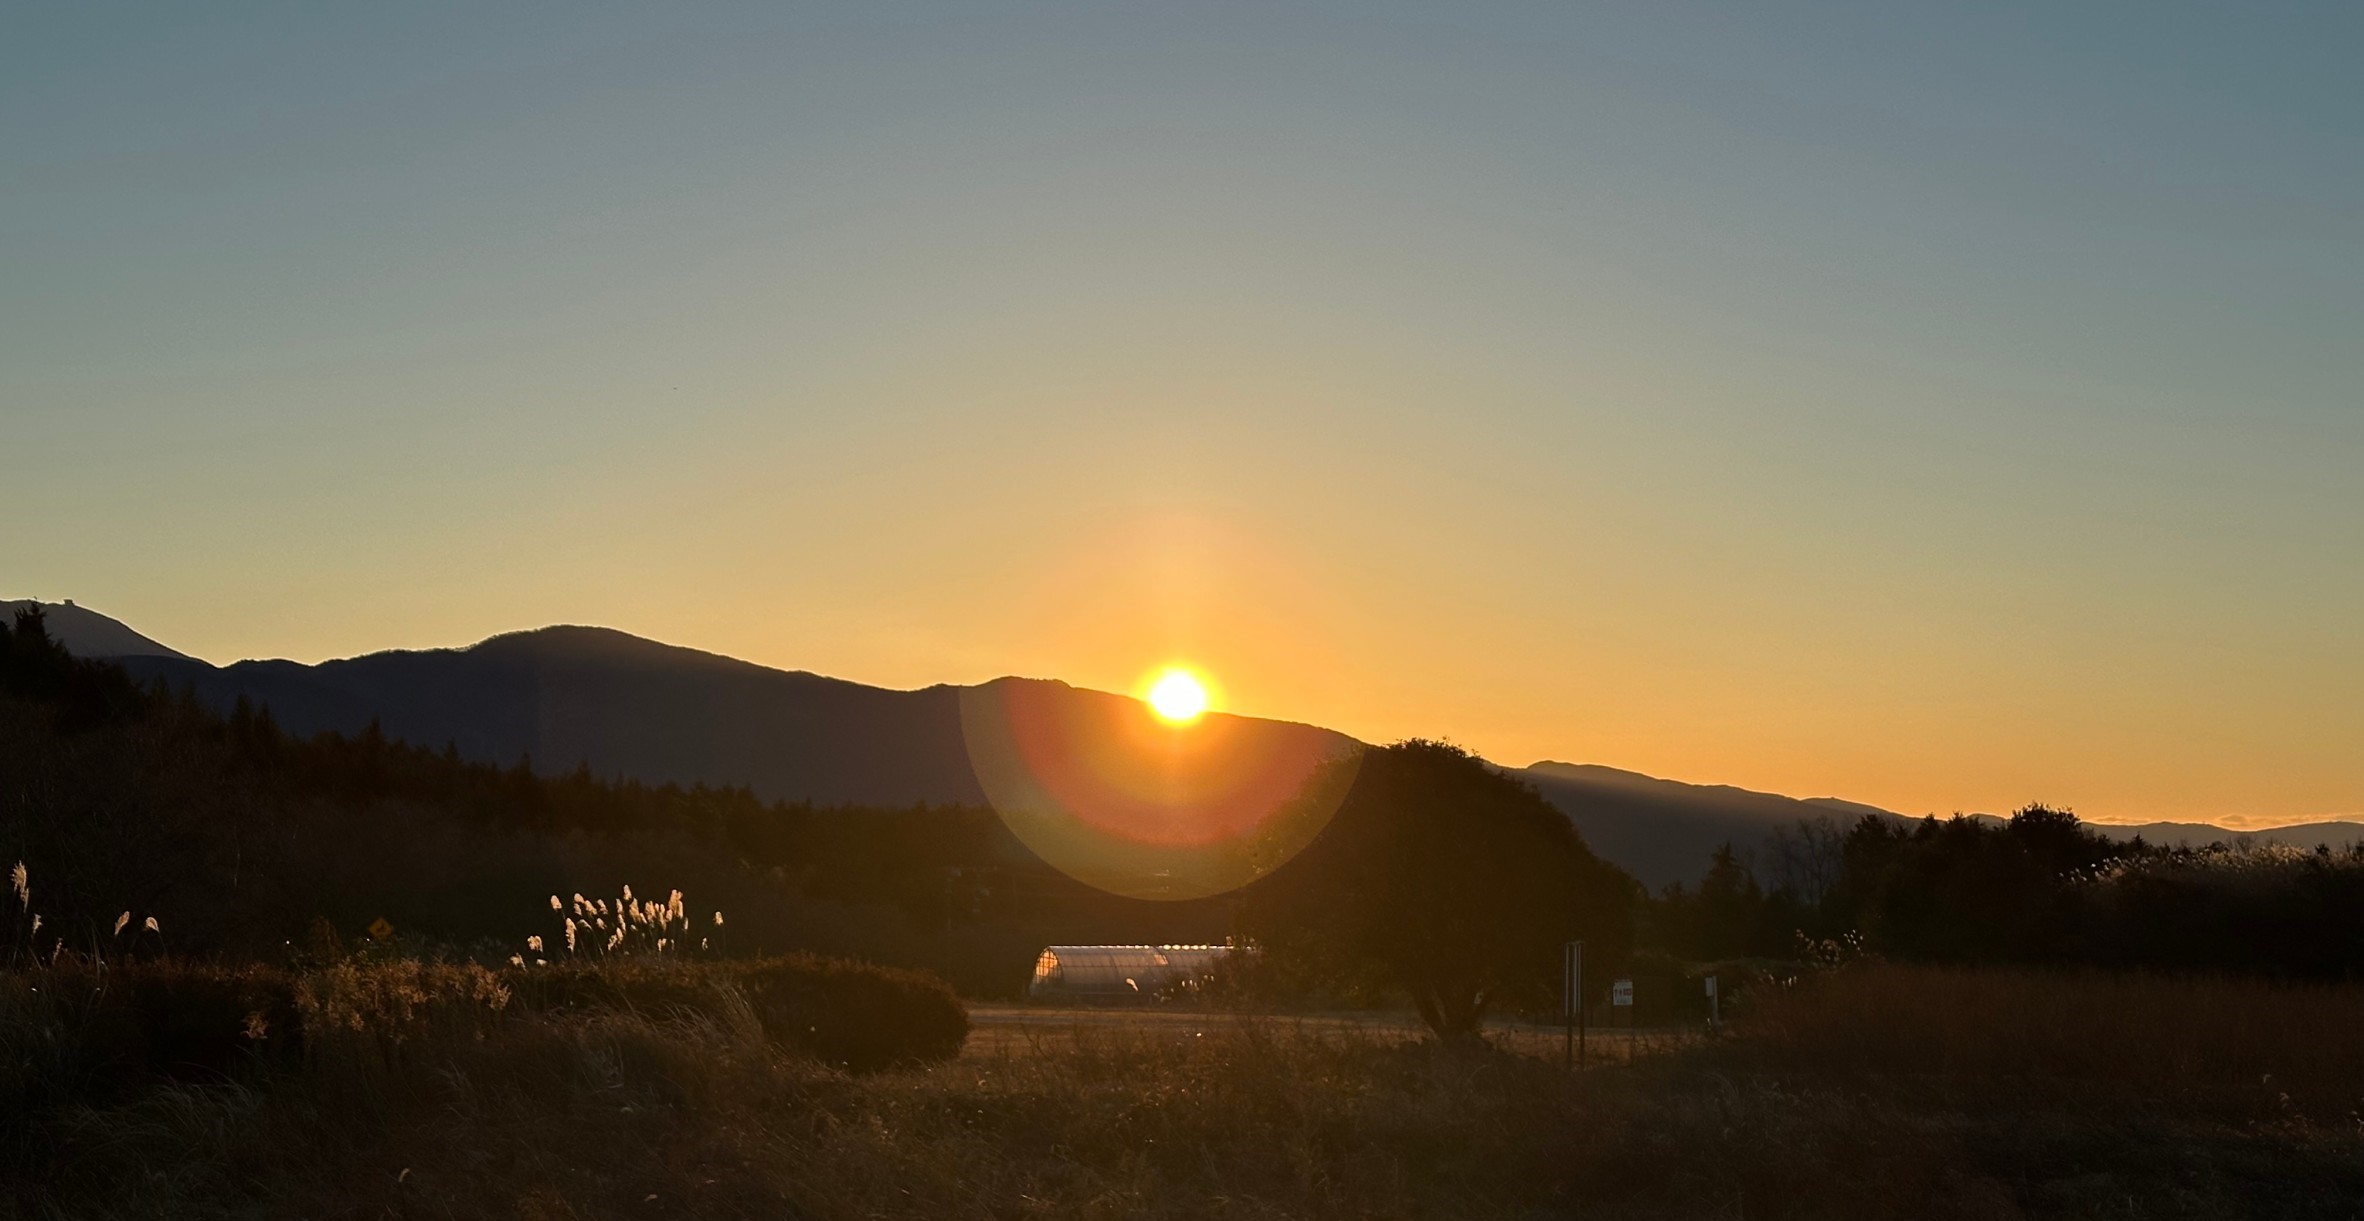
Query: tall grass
(653, 1088)
(171, 1071)
(2228, 1042)
(604, 1113)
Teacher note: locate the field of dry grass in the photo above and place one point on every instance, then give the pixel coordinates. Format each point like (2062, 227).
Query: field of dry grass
(2232, 1046)
(1019, 1029)
(1872, 1092)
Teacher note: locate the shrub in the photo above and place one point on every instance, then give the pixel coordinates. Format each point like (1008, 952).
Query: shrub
(75, 1032)
(108, 1026)
(653, 987)
(360, 1019)
(854, 1015)
(197, 1019)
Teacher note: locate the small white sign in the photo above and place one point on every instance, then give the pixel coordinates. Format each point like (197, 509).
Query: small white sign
(1621, 993)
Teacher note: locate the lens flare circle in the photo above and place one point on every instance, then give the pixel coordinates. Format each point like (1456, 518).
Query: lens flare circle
(1115, 794)
(1178, 695)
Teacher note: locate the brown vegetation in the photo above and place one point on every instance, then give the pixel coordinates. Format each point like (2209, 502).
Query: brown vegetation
(857, 1017)
(651, 1108)
(633, 1075)
(99, 1060)
(2241, 1046)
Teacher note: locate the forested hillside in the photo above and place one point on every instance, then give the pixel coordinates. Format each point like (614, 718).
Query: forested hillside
(242, 838)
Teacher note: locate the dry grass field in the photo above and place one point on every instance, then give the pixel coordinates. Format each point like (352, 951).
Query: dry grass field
(1008, 1029)
(1873, 1092)
(2231, 1046)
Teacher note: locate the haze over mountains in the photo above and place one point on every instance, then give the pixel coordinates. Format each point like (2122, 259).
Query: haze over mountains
(626, 706)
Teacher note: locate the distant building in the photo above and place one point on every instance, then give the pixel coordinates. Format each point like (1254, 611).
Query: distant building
(1122, 972)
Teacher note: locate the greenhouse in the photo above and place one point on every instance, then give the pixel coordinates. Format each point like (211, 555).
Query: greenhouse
(1122, 972)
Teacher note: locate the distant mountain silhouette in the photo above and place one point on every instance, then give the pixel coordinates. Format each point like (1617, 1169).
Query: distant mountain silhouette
(1664, 830)
(626, 706)
(2334, 833)
(86, 633)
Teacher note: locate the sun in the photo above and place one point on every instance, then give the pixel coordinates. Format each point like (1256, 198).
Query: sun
(1178, 696)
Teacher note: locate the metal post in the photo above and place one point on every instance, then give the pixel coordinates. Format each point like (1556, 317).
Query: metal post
(1581, 1016)
(1567, 1008)
(1571, 998)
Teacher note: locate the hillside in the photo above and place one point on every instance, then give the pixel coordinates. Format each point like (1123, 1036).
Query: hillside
(624, 706)
(86, 633)
(1663, 831)
(629, 707)
(2308, 835)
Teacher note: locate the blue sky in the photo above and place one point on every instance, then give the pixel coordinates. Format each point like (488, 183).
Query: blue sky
(1944, 408)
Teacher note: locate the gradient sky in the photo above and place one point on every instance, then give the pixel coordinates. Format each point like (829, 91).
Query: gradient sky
(1945, 412)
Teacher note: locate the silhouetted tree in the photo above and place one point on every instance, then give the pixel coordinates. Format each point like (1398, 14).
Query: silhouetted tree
(1444, 878)
(1805, 859)
(1727, 916)
(82, 694)
(1729, 904)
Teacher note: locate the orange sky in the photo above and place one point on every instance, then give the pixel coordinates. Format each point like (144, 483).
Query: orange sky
(1950, 415)
(1385, 636)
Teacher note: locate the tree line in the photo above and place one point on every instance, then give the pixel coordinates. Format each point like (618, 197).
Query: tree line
(1439, 880)
(242, 838)
(2037, 888)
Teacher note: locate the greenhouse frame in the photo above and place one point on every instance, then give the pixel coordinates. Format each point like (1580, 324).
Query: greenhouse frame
(1122, 972)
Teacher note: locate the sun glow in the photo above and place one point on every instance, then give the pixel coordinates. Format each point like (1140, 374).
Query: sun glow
(1178, 696)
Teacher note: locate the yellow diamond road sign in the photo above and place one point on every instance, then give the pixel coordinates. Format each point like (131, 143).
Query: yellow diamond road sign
(379, 929)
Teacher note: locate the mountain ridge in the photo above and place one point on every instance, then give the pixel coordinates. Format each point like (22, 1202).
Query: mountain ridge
(87, 633)
(569, 695)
